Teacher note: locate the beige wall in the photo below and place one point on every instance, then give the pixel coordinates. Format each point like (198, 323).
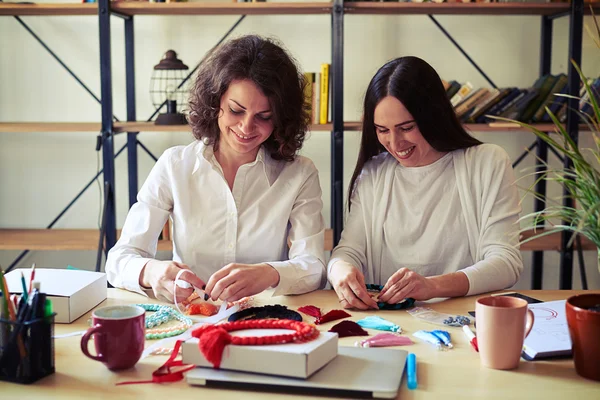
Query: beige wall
(40, 173)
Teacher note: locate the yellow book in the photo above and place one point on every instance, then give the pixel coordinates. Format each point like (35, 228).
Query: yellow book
(324, 101)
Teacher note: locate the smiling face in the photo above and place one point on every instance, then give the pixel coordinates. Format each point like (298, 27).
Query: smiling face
(245, 121)
(398, 132)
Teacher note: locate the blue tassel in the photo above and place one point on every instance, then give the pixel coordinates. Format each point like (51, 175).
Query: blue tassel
(379, 323)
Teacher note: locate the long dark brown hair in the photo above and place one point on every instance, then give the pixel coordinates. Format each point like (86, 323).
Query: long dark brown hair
(419, 88)
(266, 63)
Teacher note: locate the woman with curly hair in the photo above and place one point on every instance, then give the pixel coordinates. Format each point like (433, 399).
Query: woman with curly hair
(237, 194)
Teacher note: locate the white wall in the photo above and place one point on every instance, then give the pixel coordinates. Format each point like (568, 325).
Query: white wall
(41, 172)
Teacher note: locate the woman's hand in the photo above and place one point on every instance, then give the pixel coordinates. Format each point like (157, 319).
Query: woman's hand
(160, 276)
(406, 283)
(349, 284)
(235, 281)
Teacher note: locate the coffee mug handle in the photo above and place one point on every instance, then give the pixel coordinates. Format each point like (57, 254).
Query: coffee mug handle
(529, 322)
(85, 339)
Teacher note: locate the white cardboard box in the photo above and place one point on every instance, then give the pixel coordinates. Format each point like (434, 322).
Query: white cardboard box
(72, 292)
(298, 360)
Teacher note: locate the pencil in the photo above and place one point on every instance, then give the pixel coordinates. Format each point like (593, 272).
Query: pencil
(31, 278)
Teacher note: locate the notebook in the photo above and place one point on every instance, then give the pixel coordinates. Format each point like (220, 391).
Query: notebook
(356, 371)
(549, 336)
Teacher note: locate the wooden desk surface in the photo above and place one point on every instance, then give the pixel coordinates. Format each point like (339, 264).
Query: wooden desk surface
(453, 374)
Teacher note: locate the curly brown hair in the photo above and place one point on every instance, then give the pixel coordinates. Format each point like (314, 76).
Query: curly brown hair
(264, 62)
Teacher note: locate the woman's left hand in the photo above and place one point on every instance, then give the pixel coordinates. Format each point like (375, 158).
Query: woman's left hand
(236, 281)
(406, 283)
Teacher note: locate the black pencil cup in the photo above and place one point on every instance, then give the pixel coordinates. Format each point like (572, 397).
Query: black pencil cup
(26, 349)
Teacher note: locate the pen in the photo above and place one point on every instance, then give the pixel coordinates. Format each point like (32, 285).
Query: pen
(24, 285)
(470, 336)
(411, 371)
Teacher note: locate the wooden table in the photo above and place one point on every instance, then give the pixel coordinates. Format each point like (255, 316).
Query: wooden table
(454, 374)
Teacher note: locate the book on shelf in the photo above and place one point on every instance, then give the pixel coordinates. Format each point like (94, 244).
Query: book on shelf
(312, 96)
(461, 94)
(309, 78)
(324, 101)
(529, 105)
(560, 82)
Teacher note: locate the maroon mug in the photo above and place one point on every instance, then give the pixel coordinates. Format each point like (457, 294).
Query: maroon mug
(584, 328)
(119, 333)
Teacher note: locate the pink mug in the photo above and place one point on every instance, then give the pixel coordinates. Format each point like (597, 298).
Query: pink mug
(119, 333)
(503, 323)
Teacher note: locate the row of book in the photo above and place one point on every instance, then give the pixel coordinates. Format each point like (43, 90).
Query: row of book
(316, 94)
(526, 105)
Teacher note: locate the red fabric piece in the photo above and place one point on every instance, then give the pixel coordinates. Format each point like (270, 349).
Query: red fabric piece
(311, 310)
(332, 316)
(321, 319)
(165, 373)
(348, 328)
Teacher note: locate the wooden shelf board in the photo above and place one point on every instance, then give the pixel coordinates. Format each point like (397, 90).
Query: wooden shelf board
(56, 239)
(119, 127)
(550, 242)
(76, 239)
(48, 9)
(23, 127)
(460, 8)
(87, 239)
(151, 127)
(266, 8)
(493, 127)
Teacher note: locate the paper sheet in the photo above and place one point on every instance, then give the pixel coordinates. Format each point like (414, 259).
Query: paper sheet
(550, 333)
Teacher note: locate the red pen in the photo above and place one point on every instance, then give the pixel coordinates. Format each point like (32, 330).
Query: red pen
(470, 336)
(31, 277)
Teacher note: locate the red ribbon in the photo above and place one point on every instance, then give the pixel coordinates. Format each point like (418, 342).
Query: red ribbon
(170, 371)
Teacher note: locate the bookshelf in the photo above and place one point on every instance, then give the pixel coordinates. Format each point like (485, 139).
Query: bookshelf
(44, 239)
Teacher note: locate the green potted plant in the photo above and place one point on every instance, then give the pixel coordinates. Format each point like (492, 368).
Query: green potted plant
(581, 181)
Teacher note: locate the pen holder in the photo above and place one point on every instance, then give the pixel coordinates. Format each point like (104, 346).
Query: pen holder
(26, 349)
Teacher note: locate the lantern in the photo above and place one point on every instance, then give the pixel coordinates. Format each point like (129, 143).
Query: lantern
(165, 86)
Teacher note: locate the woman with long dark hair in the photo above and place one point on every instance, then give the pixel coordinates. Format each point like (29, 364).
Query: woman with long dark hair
(237, 193)
(432, 211)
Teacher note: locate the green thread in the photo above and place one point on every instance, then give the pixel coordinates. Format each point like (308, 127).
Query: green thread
(408, 302)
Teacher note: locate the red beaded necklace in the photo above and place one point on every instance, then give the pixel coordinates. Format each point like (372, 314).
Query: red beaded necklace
(214, 338)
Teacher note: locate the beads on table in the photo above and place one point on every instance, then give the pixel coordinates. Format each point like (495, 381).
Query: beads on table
(163, 314)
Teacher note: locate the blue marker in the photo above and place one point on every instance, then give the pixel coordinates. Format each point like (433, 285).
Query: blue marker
(411, 371)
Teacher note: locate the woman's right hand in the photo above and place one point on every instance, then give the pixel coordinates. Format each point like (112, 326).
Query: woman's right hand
(160, 276)
(349, 284)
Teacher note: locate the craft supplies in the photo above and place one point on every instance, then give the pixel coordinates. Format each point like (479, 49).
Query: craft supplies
(161, 315)
(270, 311)
(376, 289)
(471, 337)
(214, 338)
(440, 339)
(321, 319)
(411, 371)
(202, 308)
(375, 322)
(438, 318)
(348, 328)
(384, 340)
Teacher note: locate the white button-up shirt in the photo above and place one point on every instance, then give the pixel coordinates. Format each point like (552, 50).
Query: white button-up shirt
(271, 202)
